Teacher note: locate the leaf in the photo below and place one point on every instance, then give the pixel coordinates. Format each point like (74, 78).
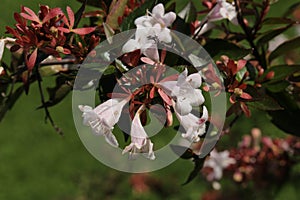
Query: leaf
(285, 48)
(281, 72)
(265, 103)
(287, 119)
(291, 9)
(279, 86)
(219, 47)
(96, 3)
(183, 152)
(116, 11)
(128, 22)
(278, 20)
(79, 14)
(198, 166)
(265, 38)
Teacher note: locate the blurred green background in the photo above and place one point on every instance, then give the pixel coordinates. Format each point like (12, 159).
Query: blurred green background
(37, 163)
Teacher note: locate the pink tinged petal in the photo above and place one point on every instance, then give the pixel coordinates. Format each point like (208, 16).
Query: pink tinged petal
(158, 11)
(130, 46)
(183, 107)
(71, 16)
(152, 53)
(31, 61)
(169, 18)
(83, 31)
(195, 80)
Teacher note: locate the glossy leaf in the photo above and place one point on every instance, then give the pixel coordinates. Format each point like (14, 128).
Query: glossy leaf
(265, 38)
(198, 162)
(189, 13)
(277, 20)
(219, 47)
(281, 72)
(285, 48)
(265, 103)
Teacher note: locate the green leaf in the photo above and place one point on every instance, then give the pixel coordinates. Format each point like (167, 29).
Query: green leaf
(265, 103)
(278, 20)
(266, 37)
(183, 152)
(79, 13)
(285, 48)
(281, 72)
(128, 22)
(219, 47)
(291, 9)
(287, 119)
(198, 162)
(240, 74)
(116, 11)
(279, 86)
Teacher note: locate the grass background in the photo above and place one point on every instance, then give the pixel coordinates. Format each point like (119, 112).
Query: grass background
(36, 163)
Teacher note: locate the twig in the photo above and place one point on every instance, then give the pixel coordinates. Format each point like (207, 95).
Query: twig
(47, 113)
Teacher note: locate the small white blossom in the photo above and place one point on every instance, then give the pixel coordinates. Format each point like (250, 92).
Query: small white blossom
(218, 161)
(222, 10)
(140, 143)
(149, 29)
(3, 43)
(185, 91)
(193, 125)
(103, 118)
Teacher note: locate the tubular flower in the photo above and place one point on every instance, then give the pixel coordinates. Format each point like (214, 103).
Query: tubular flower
(151, 28)
(140, 143)
(103, 118)
(193, 125)
(184, 91)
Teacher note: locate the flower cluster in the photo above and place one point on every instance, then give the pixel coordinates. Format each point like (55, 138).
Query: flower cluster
(180, 92)
(151, 29)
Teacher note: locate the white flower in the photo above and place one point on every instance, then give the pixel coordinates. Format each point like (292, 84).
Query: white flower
(140, 143)
(185, 91)
(149, 29)
(193, 125)
(3, 42)
(103, 118)
(218, 161)
(223, 10)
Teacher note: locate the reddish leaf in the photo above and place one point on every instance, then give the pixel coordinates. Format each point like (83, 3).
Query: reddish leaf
(31, 61)
(53, 13)
(83, 31)
(132, 58)
(245, 95)
(71, 16)
(245, 109)
(64, 30)
(31, 15)
(165, 97)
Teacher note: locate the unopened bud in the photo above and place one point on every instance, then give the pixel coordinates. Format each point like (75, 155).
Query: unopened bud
(270, 75)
